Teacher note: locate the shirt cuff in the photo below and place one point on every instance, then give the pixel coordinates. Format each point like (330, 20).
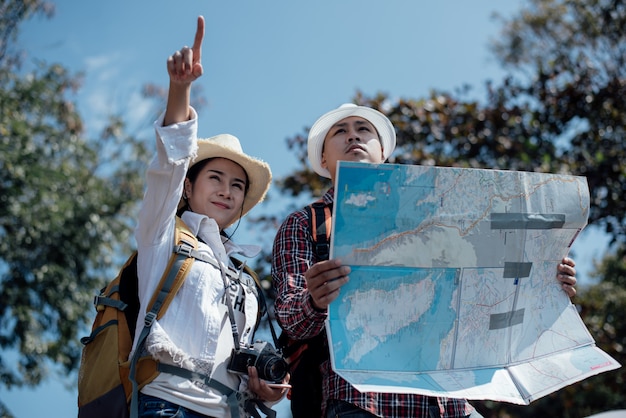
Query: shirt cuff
(312, 311)
(179, 140)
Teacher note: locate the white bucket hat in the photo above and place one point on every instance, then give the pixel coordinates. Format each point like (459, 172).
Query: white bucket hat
(258, 172)
(319, 130)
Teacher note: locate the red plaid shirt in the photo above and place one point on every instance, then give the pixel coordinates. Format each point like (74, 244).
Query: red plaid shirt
(293, 254)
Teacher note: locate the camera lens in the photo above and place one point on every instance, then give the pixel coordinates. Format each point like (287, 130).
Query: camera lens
(273, 369)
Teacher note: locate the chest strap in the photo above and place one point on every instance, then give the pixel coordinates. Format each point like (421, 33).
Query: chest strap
(233, 398)
(188, 250)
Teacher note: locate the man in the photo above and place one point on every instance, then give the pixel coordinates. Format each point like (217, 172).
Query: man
(307, 284)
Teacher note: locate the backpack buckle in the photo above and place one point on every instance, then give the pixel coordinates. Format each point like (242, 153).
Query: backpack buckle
(323, 250)
(149, 319)
(96, 303)
(184, 248)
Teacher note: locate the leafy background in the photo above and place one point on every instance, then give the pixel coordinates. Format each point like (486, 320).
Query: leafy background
(540, 88)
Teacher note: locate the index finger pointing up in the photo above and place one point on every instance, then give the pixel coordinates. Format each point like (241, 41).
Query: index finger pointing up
(197, 42)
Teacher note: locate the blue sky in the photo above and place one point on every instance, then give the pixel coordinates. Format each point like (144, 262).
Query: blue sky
(271, 68)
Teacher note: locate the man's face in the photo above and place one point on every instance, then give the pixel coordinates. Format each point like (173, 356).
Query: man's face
(351, 139)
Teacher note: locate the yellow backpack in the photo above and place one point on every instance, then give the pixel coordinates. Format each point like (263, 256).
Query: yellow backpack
(107, 377)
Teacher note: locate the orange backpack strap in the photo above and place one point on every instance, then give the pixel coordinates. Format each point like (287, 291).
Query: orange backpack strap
(180, 263)
(321, 224)
(185, 242)
(305, 356)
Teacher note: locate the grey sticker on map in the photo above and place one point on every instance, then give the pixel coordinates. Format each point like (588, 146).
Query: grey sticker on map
(507, 319)
(516, 270)
(527, 220)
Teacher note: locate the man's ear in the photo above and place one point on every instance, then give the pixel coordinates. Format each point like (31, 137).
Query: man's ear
(323, 161)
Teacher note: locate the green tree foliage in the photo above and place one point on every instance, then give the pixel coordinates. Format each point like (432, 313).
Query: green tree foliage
(65, 207)
(570, 58)
(564, 112)
(12, 13)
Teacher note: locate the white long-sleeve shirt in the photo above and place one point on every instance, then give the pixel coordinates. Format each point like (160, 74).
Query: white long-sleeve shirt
(195, 331)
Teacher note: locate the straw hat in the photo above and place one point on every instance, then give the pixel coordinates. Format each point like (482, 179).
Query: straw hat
(318, 132)
(258, 172)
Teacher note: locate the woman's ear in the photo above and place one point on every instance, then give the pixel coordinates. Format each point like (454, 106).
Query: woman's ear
(187, 189)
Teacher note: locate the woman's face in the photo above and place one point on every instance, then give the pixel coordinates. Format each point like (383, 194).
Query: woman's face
(218, 191)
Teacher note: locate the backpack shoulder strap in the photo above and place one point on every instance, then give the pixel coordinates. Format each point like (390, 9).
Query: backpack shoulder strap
(321, 224)
(173, 277)
(176, 270)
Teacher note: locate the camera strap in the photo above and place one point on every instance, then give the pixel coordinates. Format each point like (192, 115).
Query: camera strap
(229, 305)
(250, 405)
(225, 273)
(269, 320)
(231, 315)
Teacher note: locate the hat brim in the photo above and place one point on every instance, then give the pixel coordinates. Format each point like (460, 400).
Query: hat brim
(258, 171)
(320, 128)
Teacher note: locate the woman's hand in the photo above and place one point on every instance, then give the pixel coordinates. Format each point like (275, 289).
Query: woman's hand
(183, 67)
(263, 389)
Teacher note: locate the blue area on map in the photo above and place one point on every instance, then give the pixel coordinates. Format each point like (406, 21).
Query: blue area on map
(376, 181)
(414, 346)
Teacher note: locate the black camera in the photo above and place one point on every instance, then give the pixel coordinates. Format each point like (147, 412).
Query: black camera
(269, 363)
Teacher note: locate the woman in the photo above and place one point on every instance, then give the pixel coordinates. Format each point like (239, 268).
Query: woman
(211, 184)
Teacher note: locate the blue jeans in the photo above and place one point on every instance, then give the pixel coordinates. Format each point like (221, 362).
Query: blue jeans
(340, 409)
(153, 407)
